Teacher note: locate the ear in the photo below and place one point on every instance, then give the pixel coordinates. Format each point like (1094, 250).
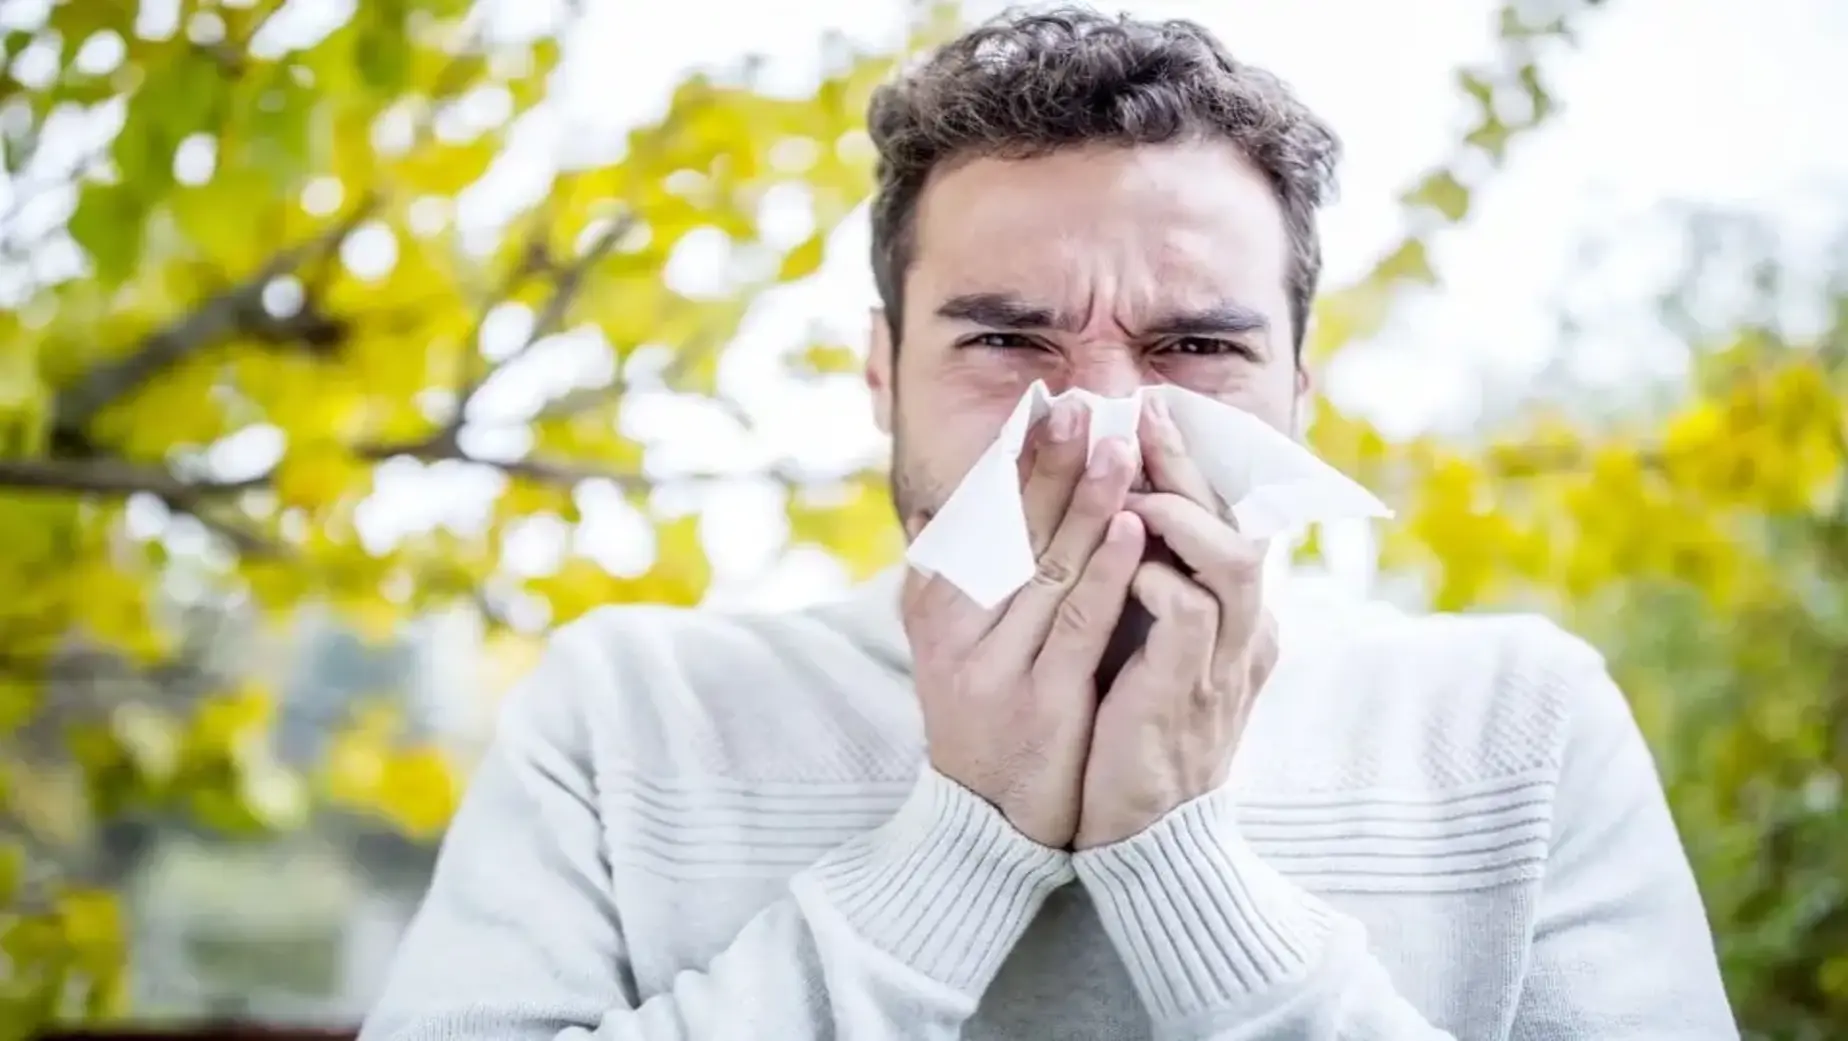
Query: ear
(880, 362)
(1301, 407)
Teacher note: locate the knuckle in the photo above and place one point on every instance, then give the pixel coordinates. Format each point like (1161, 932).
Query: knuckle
(1196, 612)
(1055, 571)
(1203, 699)
(1244, 563)
(1057, 460)
(1073, 616)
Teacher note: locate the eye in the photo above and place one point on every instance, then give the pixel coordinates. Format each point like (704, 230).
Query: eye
(1001, 341)
(1204, 347)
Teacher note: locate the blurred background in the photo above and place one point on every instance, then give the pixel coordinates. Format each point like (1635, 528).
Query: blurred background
(348, 346)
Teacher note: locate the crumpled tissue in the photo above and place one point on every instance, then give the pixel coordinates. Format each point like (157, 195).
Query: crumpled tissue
(978, 541)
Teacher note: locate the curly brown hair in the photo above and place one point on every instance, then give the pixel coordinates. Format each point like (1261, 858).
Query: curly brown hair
(1025, 84)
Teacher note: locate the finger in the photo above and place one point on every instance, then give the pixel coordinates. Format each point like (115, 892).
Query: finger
(935, 610)
(1182, 641)
(1058, 461)
(1227, 563)
(1082, 623)
(1262, 652)
(1037, 435)
(1099, 497)
(1164, 456)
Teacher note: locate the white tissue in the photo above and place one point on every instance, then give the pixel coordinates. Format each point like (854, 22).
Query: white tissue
(978, 541)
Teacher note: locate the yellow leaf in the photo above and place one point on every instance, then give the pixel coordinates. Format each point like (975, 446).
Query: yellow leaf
(316, 474)
(12, 871)
(681, 570)
(92, 926)
(831, 359)
(443, 168)
(418, 791)
(353, 768)
(804, 260)
(1348, 316)
(1408, 263)
(855, 523)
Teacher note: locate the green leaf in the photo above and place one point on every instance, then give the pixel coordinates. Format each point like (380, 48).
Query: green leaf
(110, 224)
(276, 137)
(1492, 136)
(183, 99)
(1441, 191)
(381, 47)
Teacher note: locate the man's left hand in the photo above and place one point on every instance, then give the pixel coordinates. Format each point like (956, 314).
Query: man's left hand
(1165, 731)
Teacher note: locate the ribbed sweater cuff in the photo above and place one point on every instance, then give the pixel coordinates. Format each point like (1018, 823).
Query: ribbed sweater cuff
(946, 885)
(1201, 923)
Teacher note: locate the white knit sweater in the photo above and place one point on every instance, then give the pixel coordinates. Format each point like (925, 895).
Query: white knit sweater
(696, 826)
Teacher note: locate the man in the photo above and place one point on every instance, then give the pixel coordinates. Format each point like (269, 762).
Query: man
(905, 817)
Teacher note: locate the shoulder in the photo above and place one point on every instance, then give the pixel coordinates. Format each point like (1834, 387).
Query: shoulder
(672, 692)
(1387, 699)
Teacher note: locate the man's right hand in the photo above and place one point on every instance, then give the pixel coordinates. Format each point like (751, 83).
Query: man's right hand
(1008, 694)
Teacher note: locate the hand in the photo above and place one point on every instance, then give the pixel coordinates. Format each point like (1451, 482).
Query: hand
(1007, 694)
(1165, 732)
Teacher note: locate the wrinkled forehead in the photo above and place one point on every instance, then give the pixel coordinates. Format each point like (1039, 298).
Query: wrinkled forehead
(1124, 231)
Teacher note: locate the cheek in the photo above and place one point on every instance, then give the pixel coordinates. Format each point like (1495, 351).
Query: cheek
(973, 377)
(1267, 391)
(949, 418)
(966, 389)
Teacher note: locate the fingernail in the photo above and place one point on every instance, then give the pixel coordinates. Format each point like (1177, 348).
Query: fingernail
(1103, 459)
(1064, 422)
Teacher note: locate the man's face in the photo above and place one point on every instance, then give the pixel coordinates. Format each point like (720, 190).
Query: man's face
(1100, 268)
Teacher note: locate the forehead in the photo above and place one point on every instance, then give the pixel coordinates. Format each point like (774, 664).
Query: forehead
(1113, 225)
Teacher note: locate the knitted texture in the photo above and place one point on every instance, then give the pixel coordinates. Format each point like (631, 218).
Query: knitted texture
(696, 825)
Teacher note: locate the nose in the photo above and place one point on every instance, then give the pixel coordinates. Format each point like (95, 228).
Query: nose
(1107, 370)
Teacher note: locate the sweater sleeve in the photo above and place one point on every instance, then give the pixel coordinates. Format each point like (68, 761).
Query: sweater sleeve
(1224, 948)
(1622, 947)
(892, 936)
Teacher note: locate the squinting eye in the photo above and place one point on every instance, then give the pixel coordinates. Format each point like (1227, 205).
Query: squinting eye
(1201, 346)
(1000, 341)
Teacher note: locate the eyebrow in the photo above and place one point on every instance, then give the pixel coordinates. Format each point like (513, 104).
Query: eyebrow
(1008, 311)
(999, 311)
(1221, 319)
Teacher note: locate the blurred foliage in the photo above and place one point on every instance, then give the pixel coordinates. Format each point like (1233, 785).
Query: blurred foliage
(252, 295)
(1705, 550)
(1697, 532)
(1707, 554)
(230, 293)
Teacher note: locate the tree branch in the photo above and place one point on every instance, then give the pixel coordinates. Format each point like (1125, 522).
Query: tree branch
(237, 308)
(111, 477)
(120, 477)
(549, 319)
(437, 449)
